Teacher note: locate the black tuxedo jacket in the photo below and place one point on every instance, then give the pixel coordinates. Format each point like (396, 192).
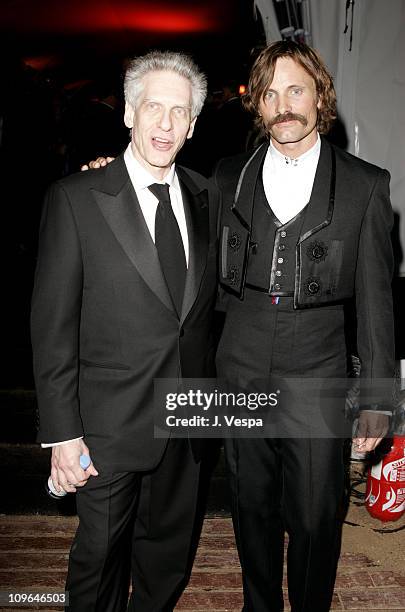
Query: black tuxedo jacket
(103, 324)
(349, 219)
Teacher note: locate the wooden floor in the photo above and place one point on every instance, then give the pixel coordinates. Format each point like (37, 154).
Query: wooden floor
(34, 552)
(36, 534)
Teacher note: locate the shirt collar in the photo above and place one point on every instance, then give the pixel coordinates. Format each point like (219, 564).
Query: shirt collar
(141, 177)
(283, 160)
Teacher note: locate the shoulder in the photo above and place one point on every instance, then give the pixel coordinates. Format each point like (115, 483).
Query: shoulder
(353, 165)
(76, 191)
(197, 183)
(193, 178)
(229, 167)
(365, 186)
(107, 178)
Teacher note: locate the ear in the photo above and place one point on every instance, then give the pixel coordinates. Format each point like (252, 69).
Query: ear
(319, 104)
(191, 128)
(129, 115)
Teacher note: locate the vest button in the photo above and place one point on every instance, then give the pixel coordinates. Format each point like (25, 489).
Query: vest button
(278, 273)
(281, 247)
(280, 260)
(283, 234)
(277, 287)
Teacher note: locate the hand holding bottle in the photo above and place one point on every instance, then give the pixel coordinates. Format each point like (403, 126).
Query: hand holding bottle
(67, 472)
(85, 462)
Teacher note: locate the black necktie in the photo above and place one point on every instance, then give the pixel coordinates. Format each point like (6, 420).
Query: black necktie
(169, 245)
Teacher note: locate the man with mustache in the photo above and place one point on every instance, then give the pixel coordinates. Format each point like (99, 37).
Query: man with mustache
(305, 234)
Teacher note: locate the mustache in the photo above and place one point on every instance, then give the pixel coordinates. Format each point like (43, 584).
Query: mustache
(288, 117)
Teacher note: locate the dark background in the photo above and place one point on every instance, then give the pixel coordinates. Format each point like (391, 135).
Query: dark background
(61, 104)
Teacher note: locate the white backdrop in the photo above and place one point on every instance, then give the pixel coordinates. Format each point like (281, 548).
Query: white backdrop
(369, 79)
(370, 82)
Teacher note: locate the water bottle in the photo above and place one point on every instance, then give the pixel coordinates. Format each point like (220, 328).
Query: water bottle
(50, 489)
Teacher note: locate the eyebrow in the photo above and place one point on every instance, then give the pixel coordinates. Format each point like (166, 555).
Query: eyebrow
(289, 87)
(188, 107)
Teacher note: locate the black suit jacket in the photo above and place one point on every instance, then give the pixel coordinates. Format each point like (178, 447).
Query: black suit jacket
(103, 324)
(350, 216)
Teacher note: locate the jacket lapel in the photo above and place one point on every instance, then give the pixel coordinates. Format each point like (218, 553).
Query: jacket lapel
(321, 203)
(196, 209)
(243, 200)
(119, 205)
(320, 208)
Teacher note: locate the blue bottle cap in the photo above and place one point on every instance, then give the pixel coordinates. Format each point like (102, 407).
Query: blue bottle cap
(85, 461)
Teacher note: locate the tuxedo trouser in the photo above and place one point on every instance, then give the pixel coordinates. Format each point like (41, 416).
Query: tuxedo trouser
(292, 485)
(139, 520)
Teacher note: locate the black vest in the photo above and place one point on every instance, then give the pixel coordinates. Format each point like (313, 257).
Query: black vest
(271, 266)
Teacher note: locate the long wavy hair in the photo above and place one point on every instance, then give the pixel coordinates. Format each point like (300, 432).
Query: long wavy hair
(262, 74)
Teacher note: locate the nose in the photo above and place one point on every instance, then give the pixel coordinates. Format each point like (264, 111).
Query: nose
(283, 104)
(165, 120)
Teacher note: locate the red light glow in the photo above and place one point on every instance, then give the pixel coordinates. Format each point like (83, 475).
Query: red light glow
(41, 62)
(169, 21)
(103, 15)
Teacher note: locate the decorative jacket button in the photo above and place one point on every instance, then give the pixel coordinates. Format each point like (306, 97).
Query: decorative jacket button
(233, 275)
(234, 242)
(317, 251)
(313, 287)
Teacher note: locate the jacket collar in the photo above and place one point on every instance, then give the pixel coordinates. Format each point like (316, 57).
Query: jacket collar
(321, 203)
(195, 203)
(119, 205)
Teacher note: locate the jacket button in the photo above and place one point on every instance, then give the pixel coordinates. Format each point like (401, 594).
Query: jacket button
(233, 275)
(313, 287)
(234, 242)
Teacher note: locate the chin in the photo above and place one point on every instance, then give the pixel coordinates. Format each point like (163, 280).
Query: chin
(286, 138)
(161, 162)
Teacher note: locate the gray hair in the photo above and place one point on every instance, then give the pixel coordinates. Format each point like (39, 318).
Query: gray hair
(179, 63)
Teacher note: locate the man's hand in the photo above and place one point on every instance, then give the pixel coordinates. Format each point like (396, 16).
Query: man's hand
(66, 472)
(97, 163)
(371, 429)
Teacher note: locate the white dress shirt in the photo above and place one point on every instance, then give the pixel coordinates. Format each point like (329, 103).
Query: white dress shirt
(141, 179)
(288, 182)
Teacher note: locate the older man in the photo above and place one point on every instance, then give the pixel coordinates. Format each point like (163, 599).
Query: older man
(305, 233)
(124, 293)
